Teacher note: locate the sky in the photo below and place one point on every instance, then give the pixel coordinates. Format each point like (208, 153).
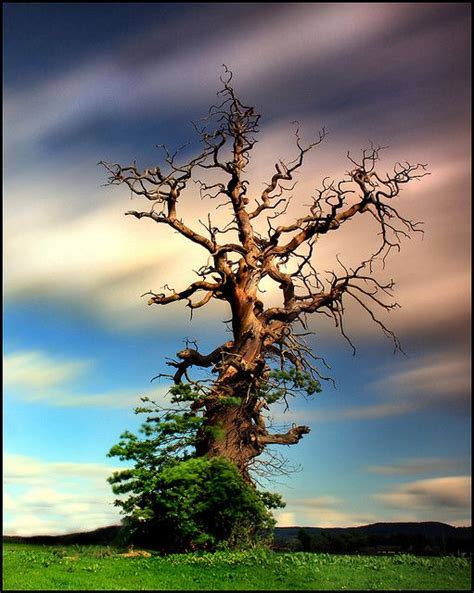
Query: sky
(85, 82)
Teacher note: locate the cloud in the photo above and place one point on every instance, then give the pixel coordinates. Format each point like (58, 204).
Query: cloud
(440, 381)
(51, 498)
(285, 519)
(320, 511)
(103, 261)
(440, 499)
(418, 466)
(37, 377)
(98, 260)
(23, 469)
(36, 370)
(448, 493)
(370, 412)
(111, 82)
(110, 399)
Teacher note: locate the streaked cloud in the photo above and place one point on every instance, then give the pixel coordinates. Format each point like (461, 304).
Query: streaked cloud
(440, 381)
(113, 399)
(51, 498)
(34, 369)
(109, 83)
(99, 260)
(361, 412)
(453, 492)
(420, 465)
(320, 511)
(23, 469)
(103, 262)
(39, 378)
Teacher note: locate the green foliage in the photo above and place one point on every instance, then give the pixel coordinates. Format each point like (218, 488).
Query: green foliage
(197, 503)
(31, 567)
(288, 382)
(178, 501)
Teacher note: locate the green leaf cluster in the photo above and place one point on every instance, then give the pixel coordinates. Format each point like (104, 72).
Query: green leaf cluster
(284, 382)
(174, 500)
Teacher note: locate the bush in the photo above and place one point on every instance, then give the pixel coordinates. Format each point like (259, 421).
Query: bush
(201, 504)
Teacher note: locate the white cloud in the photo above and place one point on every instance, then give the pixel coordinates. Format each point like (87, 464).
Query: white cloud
(285, 519)
(98, 259)
(113, 399)
(320, 511)
(439, 499)
(9, 503)
(22, 469)
(50, 498)
(33, 369)
(37, 377)
(448, 493)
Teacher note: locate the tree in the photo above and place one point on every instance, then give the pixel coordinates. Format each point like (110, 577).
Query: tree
(267, 359)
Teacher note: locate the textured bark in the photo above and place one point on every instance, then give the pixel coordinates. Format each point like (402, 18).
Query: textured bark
(265, 338)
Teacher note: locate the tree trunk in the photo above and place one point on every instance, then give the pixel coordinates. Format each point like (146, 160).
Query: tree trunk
(229, 428)
(229, 433)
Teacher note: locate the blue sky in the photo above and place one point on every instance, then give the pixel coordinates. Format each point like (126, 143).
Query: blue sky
(86, 82)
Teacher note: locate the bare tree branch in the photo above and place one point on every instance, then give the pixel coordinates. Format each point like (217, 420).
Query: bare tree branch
(286, 253)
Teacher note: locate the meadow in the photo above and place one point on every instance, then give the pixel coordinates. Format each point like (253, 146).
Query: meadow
(39, 567)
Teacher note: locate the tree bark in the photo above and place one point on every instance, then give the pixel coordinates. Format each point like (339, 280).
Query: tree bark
(233, 425)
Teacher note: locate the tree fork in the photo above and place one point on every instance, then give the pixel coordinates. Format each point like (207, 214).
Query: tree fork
(285, 254)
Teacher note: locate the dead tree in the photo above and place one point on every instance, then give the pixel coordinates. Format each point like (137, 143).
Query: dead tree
(265, 338)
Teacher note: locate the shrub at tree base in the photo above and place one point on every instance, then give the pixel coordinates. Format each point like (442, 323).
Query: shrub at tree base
(184, 495)
(201, 504)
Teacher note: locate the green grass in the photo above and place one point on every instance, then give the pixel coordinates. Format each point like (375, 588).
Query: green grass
(28, 566)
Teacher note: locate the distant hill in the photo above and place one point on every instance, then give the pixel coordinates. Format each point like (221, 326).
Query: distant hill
(101, 536)
(429, 529)
(420, 538)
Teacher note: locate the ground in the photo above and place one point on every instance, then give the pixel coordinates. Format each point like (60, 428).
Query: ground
(34, 567)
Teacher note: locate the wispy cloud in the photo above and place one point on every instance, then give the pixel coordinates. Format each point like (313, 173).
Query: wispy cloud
(112, 399)
(440, 381)
(53, 498)
(98, 260)
(102, 261)
(34, 369)
(437, 380)
(452, 492)
(320, 511)
(37, 377)
(111, 84)
(23, 469)
(415, 466)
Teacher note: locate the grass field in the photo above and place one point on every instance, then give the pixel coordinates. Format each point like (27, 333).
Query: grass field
(28, 566)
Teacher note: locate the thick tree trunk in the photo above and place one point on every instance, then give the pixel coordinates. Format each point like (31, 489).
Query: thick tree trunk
(229, 428)
(233, 424)
(229, 433)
